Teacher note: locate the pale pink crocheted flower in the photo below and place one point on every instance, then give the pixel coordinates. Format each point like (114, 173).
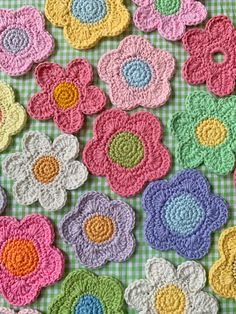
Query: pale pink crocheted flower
(23, 40)
(137, 74)
(169, 17)
(68, 94)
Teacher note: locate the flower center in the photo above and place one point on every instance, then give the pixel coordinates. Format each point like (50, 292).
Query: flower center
(168, 7)
(45, 169)
(170, 300)
(183, 214)
(137, 73)
(20, 257)
(99, 228)
(126, 149)
(15, 40)
(89, 304)
(66, 95)
(211, 132)
(89, 11)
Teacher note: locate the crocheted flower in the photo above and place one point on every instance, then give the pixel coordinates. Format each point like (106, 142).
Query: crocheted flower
(99, 230)
(182, 213)
(169, 17)
(67, 95)
(12, 115)
(137, 74)
(45, 170)
(170, 290)
(23, 40)
(127, 150)
(28, 259)
(3, 199)
(206, 132)
(85, 22)
(4, 310)
(204, 46)
(84, 292)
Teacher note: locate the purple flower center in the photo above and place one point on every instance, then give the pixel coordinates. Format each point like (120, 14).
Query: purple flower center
(15, 40)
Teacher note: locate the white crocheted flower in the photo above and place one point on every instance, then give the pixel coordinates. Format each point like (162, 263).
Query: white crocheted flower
(4, 310)
(45, 170)
(170, 290)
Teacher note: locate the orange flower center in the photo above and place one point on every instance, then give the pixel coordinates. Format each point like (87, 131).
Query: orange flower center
(66, 95)
(45, 169)
(99, 228)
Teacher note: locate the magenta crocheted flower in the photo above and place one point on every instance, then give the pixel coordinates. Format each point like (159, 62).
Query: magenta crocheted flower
(204, 46)
(67, 95)
(127, 150)
(137, 74)
(169, 17)
(28, 259)
(23, 40)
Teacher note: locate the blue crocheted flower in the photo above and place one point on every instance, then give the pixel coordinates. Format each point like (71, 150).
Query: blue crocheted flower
(182, 213)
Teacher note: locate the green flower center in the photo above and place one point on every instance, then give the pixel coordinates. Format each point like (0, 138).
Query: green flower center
(168, 7)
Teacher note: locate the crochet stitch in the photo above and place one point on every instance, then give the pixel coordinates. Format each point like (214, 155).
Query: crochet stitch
(137, 74)
(45, 170)
(3, 200)
(23, 40)
(12, 116)
(170, 290)
(206, 133)
(28, 259)
(203, 47)
(99, 230)
(127, 150)
(67, 94)
(84, 292)
(4, 310)
(168, 17)
(86, 22)
(182, 213)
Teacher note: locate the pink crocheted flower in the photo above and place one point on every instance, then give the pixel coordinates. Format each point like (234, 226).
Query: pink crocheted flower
(127, 150)
(23, 40)
(67, 95)
(28, 259)
(169, 17)
(137, 74)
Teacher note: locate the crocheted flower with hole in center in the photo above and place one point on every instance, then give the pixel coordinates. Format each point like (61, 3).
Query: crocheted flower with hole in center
(85, 292)
(168, 17)
(182, 213)
(3, 200)
(86, 22)
(28, 259)
(45, 170)
(67, 95)
(12, 116)
(170, 290)
(137, 74)
(4, 310)
(206, 132)
(99, 230)
(127, 150)
(23, 40)
(212, 56)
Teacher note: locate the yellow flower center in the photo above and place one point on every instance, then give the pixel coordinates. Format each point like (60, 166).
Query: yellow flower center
(66, 95)
(45, 169)
(99, 228)
(170, 300)
(211, 132)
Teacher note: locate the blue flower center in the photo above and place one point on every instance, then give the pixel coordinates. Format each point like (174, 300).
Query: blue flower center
(183, 214)
(15, 40)
(89, 304)
(137, 73)
(89, 11)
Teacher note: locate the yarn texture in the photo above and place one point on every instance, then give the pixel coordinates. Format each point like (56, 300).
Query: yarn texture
(99, 230)
(4, 310)
(203, 47)
(28, 259)
(23, 40)
(168, 17)
(67, 95)
(127, 150)
(3, 200)
(45, 170)
(137, 74)
(170, 290)
(86, 22)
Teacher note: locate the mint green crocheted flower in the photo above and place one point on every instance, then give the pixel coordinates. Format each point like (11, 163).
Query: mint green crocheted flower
(85, 292)
(206, 132)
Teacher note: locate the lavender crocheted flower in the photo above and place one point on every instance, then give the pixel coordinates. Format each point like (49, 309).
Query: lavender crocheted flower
(3, 200)
(182, 213)
(99, 230)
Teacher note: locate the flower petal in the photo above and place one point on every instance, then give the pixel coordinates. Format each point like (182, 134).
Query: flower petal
(81, 70)
(195, 14)
(146, 18)
(40, 107)
(15, 166)
(69, 121)
(188, 155)
(195, 40)
(220, 161)
(48, 74)
(31, 18)
(221, 83)
(43, 46)
(53, 198)
(219, 25)
(76, 174)
(58, 12)
(200, 104)
(217, 213)
(94, 101)
(4, 310)
(36, 143)
(15, 119)
(7, 96)
(159, 271)
(106, 65)
(195, 71)
(15, 65)
(25, 191)
(159, 95)
(205, 303)
(171, 28)
(181, 126)
(66, 147)
(5, 141)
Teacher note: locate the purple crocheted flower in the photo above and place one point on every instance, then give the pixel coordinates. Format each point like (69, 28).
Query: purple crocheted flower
(99, 230)
(182, 213)
(3, 200)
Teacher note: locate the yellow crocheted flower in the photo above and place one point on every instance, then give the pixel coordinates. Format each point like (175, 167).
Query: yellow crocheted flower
(85, 22)
(12, 116)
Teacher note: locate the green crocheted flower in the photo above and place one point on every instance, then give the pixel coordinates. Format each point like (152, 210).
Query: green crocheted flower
(85, 292)
(206, 132)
